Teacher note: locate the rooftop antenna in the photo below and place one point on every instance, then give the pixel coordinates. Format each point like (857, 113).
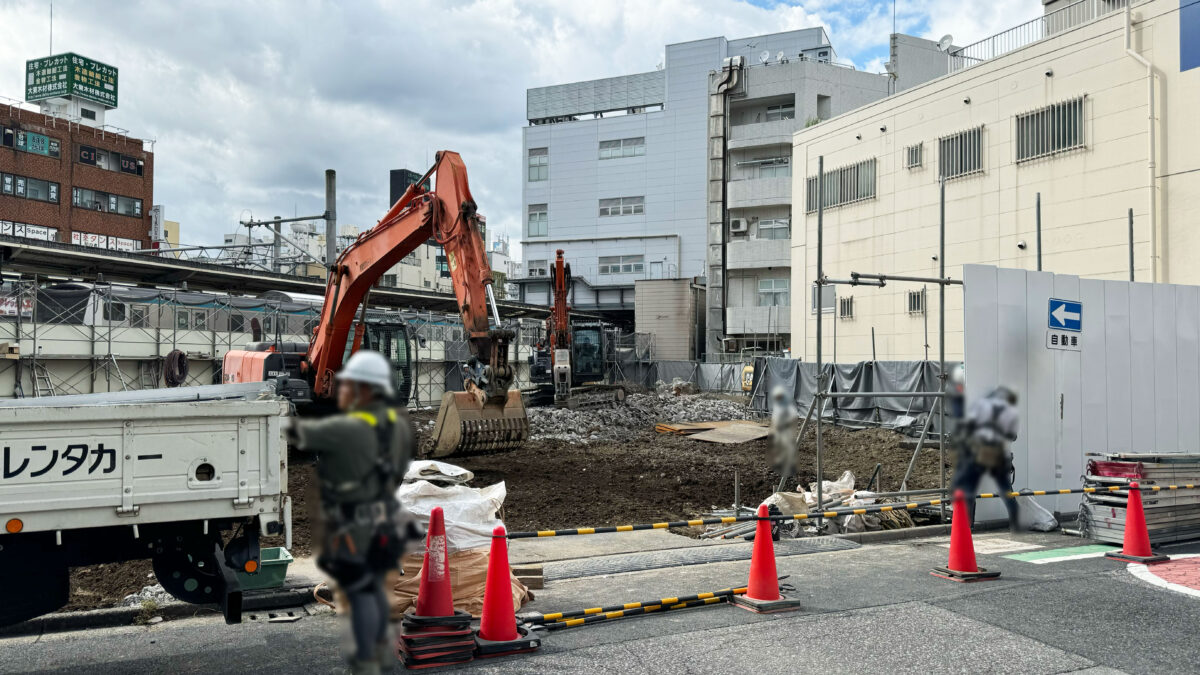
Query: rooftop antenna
(51, 27)
(781, 57)
(945, 43)
(764, 57)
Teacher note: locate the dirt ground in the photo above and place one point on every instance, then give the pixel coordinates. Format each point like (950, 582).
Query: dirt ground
(558, 484)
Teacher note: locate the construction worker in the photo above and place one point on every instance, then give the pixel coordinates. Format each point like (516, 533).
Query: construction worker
(982, 438)
(785, 424)
(361, 458)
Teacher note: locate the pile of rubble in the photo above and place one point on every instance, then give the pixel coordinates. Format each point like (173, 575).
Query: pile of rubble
(154, 594)
(624, 422)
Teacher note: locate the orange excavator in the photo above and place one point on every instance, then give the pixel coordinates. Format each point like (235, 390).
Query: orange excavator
(489, 415)
(577, 352)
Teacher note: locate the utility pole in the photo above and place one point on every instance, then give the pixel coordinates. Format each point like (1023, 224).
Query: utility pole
(330, 218)
(277, 246)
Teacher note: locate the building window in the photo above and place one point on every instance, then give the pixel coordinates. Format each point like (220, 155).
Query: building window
(539, 164)
(847, 185)
(139, 316)
(87, 114)
(916, 302)
(268, 325)
(774, 167)
(827, 299)
(538, 268)
(913, 156)
(237, 323)
(623, 206)
(625, 147)
(102, 201)
(773, 293)
(181, 319)
(785, 111)
(538, 221)
(846, 307)
(389, 280)
(774, 228)
(411, 259)
(961, 154)
(114, 311)
(200, 320)
(110, 160)
(29, 188)
(1047, 131)
(622, 264)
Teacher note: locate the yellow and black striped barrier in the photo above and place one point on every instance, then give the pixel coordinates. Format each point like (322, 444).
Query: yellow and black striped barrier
(625, 613)
(564, 616)
(863, 510)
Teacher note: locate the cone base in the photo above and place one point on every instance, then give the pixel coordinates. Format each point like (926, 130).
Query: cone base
(1153, 559)
(414, 623)
(783, 604)
(524, 643)
(964, 577)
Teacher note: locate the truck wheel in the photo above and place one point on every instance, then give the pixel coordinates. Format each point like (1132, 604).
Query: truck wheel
(188, 568)
(32, 588)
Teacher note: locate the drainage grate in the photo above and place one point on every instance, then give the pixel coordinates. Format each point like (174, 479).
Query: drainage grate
(696, 555)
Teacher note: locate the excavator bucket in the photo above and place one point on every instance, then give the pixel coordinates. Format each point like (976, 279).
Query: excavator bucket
(466, 426)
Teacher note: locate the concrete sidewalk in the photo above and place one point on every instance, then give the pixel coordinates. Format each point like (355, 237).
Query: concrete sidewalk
(874, 609)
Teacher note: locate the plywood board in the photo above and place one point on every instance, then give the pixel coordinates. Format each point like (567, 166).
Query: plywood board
(733, 433)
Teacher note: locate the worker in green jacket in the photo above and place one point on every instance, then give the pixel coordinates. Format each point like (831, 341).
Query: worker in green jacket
(362, 455)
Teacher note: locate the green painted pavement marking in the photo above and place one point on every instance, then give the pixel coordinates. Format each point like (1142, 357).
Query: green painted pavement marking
(1061, 554)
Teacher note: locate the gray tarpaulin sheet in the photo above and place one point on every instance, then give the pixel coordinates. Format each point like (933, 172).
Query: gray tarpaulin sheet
(867, 376)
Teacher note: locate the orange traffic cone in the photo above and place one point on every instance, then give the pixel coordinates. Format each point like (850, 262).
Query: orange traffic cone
(435, 596)
(499, 633)
(1136, 546)
(961, 566)
(762, 592)
(434, 633)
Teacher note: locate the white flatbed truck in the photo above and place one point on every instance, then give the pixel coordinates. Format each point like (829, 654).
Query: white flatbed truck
(186, 477)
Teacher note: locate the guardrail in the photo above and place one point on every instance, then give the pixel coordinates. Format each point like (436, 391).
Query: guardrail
(1038, 29)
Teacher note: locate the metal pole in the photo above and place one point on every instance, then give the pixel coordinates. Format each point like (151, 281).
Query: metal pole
(330, 217)
(277, 246)
(925, 294)
(820, 319)
(1131, 244)
(942, 343)
(873, 359)
(1038, 211)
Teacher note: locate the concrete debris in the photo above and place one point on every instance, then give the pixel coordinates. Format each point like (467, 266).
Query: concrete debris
(625, 422)
(153, 593)
(677, 387)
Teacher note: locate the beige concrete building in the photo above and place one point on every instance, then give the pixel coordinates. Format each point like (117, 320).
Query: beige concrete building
(1057, 106)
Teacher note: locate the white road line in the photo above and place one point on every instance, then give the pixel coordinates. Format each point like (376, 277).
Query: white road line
(1143, 572)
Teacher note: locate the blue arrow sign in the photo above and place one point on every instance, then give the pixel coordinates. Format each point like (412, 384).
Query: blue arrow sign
(1066, 315)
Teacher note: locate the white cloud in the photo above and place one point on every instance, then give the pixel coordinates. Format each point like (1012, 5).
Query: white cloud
(250, 102)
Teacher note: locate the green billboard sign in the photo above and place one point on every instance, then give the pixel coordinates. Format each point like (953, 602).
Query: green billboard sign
(64, 75)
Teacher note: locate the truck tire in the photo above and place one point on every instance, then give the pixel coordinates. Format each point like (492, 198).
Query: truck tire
(33, 587)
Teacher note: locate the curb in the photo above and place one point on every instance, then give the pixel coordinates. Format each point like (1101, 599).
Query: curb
(110, 617)
(883, 536)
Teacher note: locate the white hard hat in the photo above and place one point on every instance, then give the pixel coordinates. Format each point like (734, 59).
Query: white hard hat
(368, 367)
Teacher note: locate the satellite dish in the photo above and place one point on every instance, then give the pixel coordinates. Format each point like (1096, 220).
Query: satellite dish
(764, 57)
(946, 42)
(781, 57)
(889, 67)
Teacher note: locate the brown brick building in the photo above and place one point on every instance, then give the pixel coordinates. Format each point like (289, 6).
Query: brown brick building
(72, 183)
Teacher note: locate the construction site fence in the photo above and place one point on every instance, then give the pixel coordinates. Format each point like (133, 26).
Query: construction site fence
(708, 377)
(866, 377)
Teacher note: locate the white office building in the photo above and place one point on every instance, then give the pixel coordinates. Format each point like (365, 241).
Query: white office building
(615, 171)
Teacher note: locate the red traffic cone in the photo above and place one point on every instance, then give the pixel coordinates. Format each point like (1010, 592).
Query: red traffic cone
(961, 566)
(1136, 546)
(499, 633)
(435, 596)
(762, 592)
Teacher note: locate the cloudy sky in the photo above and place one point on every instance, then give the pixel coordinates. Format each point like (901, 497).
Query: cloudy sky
(249, 102)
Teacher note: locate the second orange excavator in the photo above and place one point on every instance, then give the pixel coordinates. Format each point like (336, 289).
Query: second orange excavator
(489, 414)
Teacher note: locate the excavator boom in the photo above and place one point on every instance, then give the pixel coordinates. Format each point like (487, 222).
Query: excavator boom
(487, 416)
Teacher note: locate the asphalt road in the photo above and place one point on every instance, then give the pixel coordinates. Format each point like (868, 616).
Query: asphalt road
(874, 609)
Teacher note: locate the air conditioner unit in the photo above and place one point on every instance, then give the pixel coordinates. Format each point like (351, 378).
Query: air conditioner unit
(739, 225)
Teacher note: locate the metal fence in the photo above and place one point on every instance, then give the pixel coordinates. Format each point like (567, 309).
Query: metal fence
(1032, 31)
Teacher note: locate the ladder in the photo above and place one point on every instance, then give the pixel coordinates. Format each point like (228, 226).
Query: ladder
(42, 385)
(148, 374)
(110, 364)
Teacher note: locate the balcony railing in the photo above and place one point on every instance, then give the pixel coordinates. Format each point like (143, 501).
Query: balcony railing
(1048, 25)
